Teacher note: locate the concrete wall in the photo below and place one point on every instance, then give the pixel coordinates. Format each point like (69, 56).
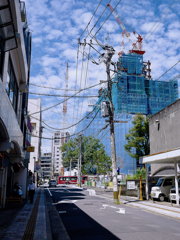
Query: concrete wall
(20, 178)
(164, 128)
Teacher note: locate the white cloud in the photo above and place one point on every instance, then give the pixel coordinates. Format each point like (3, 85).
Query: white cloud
(56, 27)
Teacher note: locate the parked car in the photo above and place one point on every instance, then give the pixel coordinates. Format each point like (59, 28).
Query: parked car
(162, 188)
(172, 195)
(52, 183)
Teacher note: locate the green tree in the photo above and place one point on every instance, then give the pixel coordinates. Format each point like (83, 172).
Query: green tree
(138, 137)
(102, 163)
(70, 152)
(91, 147)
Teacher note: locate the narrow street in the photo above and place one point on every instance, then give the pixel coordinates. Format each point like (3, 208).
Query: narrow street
(86, 216)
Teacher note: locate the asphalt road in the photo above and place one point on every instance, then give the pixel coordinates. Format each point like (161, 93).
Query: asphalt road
(87, 217)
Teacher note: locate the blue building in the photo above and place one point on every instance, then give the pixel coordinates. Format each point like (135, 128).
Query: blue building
(133, 92)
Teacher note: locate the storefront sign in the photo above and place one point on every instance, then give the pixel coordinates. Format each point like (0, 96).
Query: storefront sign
(30, 149)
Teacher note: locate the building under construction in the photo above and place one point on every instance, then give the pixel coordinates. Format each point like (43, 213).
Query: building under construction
(133, 91)
(136, 91)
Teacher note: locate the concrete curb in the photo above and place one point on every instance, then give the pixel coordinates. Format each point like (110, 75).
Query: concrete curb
(58, 230)
(48, 225)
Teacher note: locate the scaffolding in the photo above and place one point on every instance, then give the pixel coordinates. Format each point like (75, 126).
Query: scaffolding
(132, 93)
(135, 94)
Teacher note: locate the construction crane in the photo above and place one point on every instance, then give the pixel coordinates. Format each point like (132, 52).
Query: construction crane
(65, 101)
(135, 48)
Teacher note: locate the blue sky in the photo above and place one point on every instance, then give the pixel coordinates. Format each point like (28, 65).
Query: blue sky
(56, 26)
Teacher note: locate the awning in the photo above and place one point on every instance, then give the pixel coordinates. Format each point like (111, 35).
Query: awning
(163, 157)
(169, 156)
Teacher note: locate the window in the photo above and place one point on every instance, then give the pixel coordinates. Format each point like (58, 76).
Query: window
(11, 87)
(159, 183)
(57, 158)
(167, 182)
(57, 155)
(1, 61)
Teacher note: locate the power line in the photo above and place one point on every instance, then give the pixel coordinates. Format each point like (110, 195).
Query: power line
(68, 126)
(63, 89)
(168, 70)
(106, 19)
(91, 19)
(161, 20)
(56, 95)
(96, 21)
(67, 98)
(70, 135)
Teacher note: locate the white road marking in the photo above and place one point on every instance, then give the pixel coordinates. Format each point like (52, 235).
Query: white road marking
(49, 192)
(65, 201)
(92, 192)
(120, 210)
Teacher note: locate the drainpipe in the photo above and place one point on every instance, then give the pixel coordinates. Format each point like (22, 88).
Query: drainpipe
(147, 189)
(176, 183)
(4, 184)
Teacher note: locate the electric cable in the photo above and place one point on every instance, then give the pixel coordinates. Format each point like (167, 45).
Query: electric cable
(56, 95)
(96, 21)
(160, 21)
(86, 73)
(71, 125)
(77, 108)
(51, 87)
(91, 19)
(68, 98)
(70, 135)
(107, 19)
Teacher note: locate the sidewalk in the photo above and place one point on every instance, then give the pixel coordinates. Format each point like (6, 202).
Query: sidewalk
(30, 222)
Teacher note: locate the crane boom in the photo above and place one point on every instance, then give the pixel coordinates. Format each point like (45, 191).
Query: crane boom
(128, 35)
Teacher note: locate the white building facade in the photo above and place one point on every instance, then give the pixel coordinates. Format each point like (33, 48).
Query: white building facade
(58, 139)
(46, 166)
(34, 109)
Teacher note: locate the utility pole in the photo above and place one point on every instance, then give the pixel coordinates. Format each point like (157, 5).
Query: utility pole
(70, 166)
(109, 53)
(80, 160)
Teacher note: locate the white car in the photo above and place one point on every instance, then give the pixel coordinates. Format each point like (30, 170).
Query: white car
(172, 195)
(162, 188)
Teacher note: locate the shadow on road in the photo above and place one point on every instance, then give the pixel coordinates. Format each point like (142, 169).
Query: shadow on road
(81, 226)
(78, 224)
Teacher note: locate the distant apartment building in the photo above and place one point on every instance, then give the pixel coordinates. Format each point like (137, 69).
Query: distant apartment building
(15, 127)
(34, 109)
(46, 166)
(58, 139)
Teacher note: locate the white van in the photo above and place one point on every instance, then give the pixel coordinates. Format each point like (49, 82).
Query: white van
(162, 188)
